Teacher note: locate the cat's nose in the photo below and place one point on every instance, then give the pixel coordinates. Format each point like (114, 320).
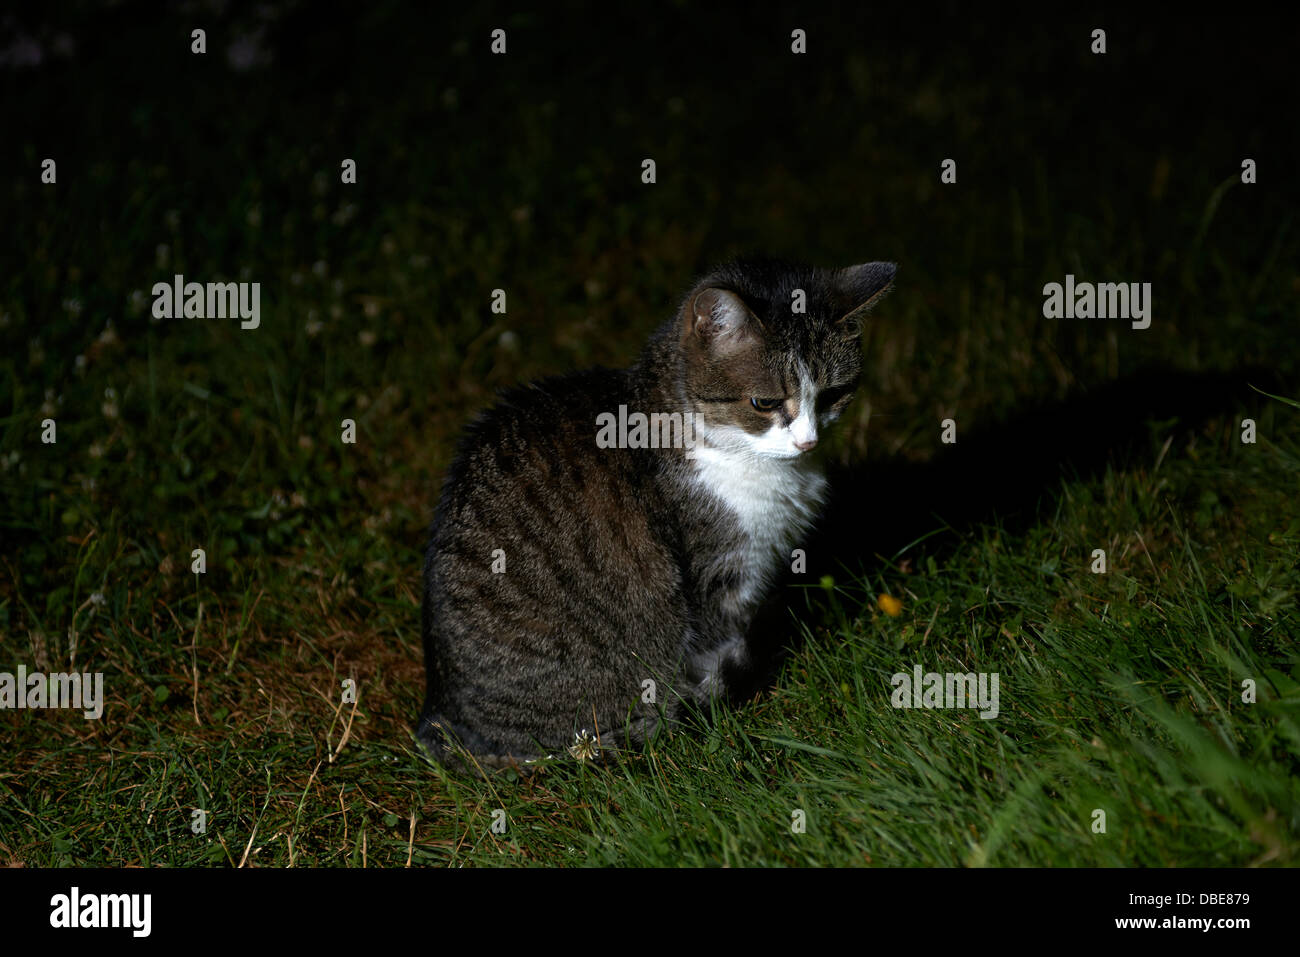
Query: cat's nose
(803, 433)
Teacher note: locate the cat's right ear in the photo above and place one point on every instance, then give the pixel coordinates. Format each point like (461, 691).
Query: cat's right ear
(861, 287)
(720, 318)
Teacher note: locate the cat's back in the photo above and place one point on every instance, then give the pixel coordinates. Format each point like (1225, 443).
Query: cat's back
(530, 489)
(537, 444)
(551, 584)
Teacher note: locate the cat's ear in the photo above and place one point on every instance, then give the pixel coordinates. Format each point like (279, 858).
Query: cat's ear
(720, 318)
(859, 288)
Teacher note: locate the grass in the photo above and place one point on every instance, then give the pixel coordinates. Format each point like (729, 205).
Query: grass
(1120, 692)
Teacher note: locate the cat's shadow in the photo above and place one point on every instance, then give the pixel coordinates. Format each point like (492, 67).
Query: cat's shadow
(1009, 471)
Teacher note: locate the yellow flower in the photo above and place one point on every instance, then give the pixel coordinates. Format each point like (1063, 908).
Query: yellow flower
(890, 605)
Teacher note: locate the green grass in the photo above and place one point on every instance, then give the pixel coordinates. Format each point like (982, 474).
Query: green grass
(1120, 692)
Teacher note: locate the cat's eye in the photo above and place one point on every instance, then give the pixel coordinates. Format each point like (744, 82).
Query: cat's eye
(765, 405)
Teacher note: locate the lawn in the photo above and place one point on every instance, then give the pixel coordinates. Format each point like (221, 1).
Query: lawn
(1163, 692)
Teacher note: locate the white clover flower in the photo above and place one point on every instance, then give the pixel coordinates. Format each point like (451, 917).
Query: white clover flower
(585, 747)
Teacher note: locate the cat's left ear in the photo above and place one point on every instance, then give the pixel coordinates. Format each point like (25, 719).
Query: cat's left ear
(859, 288)
(720, 318)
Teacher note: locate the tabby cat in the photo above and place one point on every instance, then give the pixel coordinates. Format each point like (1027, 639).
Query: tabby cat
(577, 592)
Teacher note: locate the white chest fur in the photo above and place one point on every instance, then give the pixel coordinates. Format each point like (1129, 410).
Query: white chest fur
(775, 500)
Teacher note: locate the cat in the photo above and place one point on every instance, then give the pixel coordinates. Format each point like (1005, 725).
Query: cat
(579, 596)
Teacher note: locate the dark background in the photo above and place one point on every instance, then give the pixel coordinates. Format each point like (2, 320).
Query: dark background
(522, 172)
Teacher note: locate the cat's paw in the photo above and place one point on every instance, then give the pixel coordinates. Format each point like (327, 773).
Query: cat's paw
(712, 668)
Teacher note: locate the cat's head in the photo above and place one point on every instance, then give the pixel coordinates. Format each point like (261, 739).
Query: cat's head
(772, 352)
